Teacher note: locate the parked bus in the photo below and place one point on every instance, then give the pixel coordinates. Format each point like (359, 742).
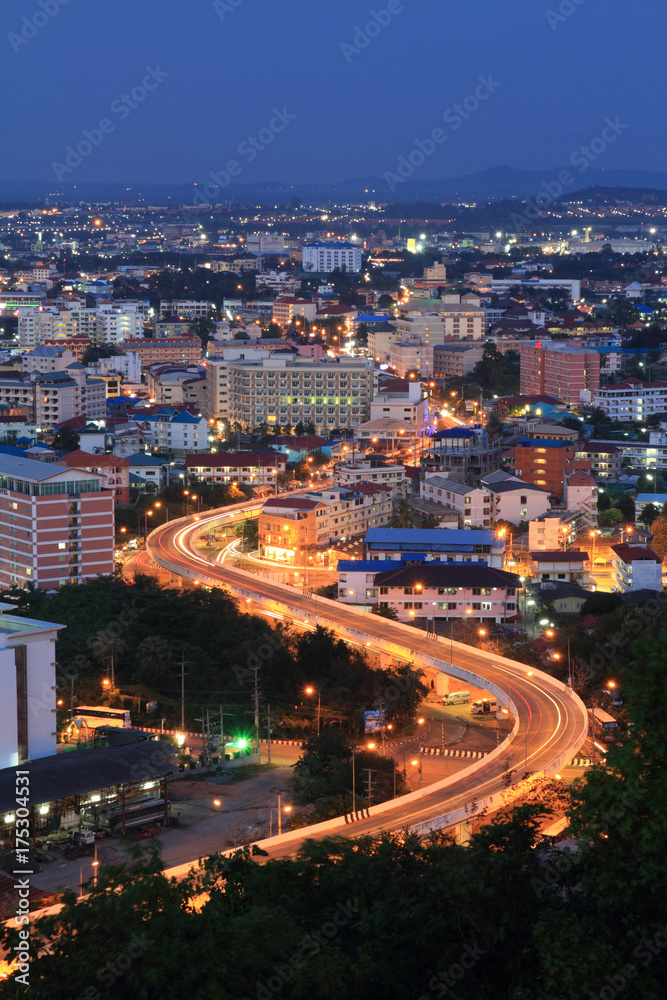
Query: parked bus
(605, 726)
(101, 715)
(139, 812)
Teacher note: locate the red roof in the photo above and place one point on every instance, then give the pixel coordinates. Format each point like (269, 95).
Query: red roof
(635, 553)
(83, 460)
(579, 478)
(573, 555)
(368, 489)
(294, 503)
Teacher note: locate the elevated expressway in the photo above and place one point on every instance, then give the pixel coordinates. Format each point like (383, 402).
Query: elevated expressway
(550, 720)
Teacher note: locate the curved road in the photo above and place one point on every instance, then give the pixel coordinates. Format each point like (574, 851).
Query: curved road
(551, 720)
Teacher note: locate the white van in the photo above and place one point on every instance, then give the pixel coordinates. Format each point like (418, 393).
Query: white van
(484, 706)
(456, 698)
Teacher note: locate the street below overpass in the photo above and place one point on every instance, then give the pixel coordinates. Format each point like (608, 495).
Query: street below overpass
(550, 720)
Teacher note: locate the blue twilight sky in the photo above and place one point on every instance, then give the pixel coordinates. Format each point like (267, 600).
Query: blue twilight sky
(558, 68)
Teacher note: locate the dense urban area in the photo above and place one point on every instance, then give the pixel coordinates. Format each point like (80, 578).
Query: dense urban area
(327, 510)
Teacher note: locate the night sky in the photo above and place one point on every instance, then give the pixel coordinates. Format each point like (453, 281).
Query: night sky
(556, 70)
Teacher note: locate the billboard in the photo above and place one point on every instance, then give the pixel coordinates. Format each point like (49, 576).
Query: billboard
(374, 721)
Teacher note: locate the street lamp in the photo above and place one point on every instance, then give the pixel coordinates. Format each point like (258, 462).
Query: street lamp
(310, 690)
(369, 746)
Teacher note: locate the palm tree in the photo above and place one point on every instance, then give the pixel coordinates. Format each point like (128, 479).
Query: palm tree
(404, 514)
(105, 646)
(154, 657)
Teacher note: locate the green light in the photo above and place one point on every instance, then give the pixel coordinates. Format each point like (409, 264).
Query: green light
(242, 744)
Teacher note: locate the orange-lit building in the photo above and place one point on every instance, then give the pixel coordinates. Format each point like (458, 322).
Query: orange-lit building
(542, 462)
(558, 369)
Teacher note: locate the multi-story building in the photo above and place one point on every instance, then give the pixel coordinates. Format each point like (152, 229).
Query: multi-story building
(513, 499)
(456, 360)
(370, 470)
(280, 281)
(172, 432)
(17, 391)
(265, 243)
(507, 499)
(571, 285)
(631, 400)
(322, 258)
(285, 389)
(186, 308)
(636, 567)
(56, 524)
(411, 356)
(45, 359)
(153, 350)
(559, 369)
(605, 459)
(552, 530)
(28, 664)
(580, 495)
(542, 462)
(571, 566)
(113, 470)
(464, 453)
(434, 321)
(448, 591)
(116, 323)
(244, 467)
(66, 394)
(449, 545)
(381, 336)
(404, 400)
(293, 527)
(290, 307)
(385, 434)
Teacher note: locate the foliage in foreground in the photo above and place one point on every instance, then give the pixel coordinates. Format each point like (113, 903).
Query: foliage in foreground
(396, 917)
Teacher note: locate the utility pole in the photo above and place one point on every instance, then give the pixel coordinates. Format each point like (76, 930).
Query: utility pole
(370, 772)
(183, 661)
(256, 673)
(268, 731)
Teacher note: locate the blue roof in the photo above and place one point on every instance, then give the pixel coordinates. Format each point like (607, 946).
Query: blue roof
(367, 565)
(456, 432)
(430, 539)
(372, 318)
(139, 458)
(658, 498)
(544, 443)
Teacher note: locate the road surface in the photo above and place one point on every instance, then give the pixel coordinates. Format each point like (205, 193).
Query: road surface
(551, 722)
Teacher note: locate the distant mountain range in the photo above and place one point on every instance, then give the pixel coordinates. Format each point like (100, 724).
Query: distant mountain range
(485, 185)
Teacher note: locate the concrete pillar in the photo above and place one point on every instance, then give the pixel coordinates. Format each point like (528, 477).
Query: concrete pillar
(463, 833)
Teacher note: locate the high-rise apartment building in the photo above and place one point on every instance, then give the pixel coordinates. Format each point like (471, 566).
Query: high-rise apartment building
(559, 370)
(322, 258)
(56, 524)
